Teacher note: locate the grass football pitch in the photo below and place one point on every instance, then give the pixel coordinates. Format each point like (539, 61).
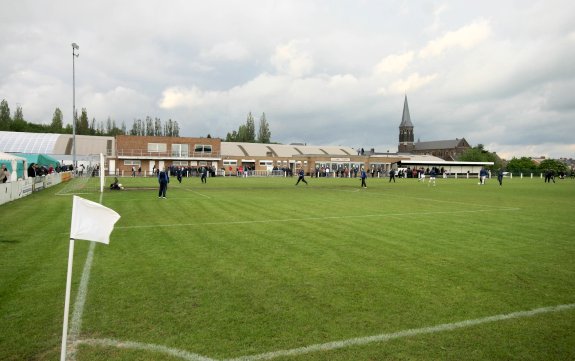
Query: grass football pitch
(249, 269)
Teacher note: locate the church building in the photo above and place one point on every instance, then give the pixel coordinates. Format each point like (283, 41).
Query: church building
(445, 149)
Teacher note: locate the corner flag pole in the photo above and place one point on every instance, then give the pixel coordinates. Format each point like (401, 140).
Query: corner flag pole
(67, 301)
(93, 222)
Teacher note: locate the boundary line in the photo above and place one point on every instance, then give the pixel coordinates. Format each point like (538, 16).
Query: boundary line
(185, 355)
(76, 323)
(198, 193)
(77, 313)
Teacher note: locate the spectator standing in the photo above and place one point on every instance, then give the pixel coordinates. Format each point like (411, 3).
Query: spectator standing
(31, 171)
(4, 174)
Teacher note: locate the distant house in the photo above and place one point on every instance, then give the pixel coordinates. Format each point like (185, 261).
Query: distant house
(448, 150)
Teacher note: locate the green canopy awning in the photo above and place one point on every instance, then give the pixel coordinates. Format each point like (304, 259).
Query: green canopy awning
(40, 159)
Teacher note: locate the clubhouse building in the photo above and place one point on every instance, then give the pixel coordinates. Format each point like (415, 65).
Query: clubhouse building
(125, 153)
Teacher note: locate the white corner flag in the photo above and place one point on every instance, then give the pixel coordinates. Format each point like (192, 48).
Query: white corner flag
(92, 221)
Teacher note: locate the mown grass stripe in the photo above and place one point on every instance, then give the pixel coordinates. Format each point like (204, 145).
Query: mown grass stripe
(314, 218)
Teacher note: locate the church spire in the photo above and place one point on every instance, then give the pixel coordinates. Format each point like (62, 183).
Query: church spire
(405, 119)
(405, 130)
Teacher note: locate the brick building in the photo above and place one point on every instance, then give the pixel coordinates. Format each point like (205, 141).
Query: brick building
(150, 152)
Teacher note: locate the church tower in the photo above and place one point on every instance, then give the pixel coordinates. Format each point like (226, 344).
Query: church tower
(405, 131)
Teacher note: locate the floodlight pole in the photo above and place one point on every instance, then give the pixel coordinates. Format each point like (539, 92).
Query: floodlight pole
(74, 55)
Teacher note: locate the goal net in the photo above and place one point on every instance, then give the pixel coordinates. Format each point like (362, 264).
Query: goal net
(88, 177)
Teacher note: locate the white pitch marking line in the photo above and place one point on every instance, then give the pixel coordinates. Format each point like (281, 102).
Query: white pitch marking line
(314, 218)
(185, 355)
(76, 323)
(203, 195)
(406, 333)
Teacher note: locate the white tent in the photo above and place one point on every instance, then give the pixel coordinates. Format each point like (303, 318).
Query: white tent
(12, 164)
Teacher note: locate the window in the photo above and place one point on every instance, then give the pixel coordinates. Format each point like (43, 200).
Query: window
(203, 148)
(132, 162)
(180, 163)
(230, 162)
(179, 150)
(157, 147)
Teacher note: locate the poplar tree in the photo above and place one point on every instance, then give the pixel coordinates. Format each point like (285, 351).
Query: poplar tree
(57, 121)
(264, 134)
(5, 119)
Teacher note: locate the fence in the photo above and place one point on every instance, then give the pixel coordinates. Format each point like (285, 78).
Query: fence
(24, 187)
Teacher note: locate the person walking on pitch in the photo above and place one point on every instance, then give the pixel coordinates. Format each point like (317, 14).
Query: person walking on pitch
(363, 176)
(163, 179)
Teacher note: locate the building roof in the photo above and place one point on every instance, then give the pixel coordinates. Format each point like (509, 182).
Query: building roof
(55, 144)
(405, 118)
(237, 149)
(28, 142)
(440, 144)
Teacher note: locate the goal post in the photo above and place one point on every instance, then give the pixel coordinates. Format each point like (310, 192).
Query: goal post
(102, 172)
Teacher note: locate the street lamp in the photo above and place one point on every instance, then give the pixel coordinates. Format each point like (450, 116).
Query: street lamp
(74, 55)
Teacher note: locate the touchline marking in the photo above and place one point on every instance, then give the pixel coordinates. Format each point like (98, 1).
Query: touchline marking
(203, 195)
(184, 355)
(407, 333)
(188, 356)
(313, 218)
(76, 323)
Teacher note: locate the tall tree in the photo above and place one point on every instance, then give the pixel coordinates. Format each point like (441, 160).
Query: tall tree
(149, 126)
(250, 129)
(158, 127)
(264, 134)
(109, 127)
(242, 134)
(93, 127)
(101, 129)
(5, 119)
(169, 128)
(57, 121)
(136, 127)
(82, 124)
(18, 122)
(176, 130)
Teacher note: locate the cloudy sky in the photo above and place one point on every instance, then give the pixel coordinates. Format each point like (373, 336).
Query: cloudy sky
(324, 72)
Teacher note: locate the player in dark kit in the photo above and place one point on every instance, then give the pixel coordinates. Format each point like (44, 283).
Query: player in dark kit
(163, 179)
(301, 177)
(204, 177)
